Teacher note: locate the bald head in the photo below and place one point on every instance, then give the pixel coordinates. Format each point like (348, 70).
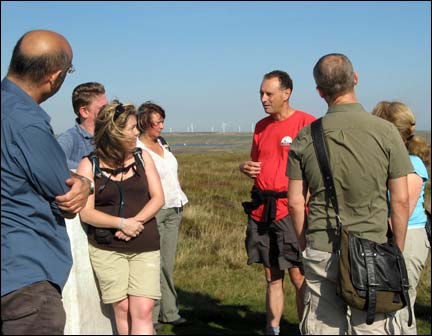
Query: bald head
(334, 75)
(37, 43)
(38, 54)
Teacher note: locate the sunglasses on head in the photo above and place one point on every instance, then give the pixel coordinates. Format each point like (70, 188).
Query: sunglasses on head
(118, 110)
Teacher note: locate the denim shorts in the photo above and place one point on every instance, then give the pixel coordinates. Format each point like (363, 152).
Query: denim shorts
(273, 244)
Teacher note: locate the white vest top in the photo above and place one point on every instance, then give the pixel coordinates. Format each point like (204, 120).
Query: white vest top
(167, 168)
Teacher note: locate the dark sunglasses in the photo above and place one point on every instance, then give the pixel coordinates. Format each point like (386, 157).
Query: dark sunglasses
(118, 110)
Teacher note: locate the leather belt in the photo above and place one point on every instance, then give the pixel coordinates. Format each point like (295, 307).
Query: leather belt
(178, 209)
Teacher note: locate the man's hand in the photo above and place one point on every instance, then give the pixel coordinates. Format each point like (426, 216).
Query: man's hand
(250, 168)
(76, 198)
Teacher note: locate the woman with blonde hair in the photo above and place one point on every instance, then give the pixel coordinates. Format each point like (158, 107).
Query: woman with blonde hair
(122, 233)
(416, 244)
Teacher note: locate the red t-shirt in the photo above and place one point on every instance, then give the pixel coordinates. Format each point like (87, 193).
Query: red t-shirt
(270, 146)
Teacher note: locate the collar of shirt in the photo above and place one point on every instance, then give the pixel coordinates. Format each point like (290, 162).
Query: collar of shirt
(84, 133)
(14, 89)
(353, 107)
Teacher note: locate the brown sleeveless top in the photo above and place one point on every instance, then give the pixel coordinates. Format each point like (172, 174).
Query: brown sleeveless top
(135, 196)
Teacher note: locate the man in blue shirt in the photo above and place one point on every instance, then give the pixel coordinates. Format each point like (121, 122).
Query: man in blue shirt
(37, 190)
(81, 291)
(76, 142)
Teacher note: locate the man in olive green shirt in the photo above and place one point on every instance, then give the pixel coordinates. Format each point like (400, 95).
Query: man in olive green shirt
(367, 157)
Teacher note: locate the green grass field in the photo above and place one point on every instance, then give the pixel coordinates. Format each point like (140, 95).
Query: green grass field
(218, 293)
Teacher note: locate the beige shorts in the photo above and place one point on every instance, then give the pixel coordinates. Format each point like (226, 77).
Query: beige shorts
(121, 274)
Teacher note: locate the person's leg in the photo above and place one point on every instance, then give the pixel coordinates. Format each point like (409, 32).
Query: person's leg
(324, 312)
(168, 222)
(141, 315)
(289, 257)
(261, 247)
(298, 280)
(160, 218)
(415, 254)
(144, 289)
(383, 324)
(33, 310)
(274, 298)
(121, 313)
(112, 271)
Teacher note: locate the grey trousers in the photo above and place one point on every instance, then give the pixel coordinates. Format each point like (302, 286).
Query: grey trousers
(168, 220)
(415, 253)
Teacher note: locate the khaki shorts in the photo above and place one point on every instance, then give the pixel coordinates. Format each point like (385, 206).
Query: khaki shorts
(274, 245)
(121, 274)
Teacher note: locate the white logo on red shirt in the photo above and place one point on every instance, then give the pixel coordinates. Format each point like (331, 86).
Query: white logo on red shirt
(286, 141)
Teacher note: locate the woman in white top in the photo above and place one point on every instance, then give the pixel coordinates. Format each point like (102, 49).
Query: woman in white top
(150, 124)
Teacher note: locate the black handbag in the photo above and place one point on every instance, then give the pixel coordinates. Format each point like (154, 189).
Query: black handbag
(372, 276)
(428, 225)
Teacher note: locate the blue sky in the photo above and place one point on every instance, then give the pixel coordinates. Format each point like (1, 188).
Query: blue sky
(204, 61)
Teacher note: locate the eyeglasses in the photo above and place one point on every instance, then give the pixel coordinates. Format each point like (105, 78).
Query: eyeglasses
(70, 69)
(118, 110)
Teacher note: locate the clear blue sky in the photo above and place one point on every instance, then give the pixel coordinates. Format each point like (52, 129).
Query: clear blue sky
(204, 61)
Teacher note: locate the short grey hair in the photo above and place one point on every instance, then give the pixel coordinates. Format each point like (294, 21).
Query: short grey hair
(334, 75)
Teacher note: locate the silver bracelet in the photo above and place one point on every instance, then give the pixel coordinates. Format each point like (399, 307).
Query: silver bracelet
(121, 225)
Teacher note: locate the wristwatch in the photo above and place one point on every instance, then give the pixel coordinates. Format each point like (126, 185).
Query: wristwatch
(90, 183)
(92, 187)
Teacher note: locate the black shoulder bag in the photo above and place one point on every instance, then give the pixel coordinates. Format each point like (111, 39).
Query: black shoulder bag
(372, 276)
(428, 225)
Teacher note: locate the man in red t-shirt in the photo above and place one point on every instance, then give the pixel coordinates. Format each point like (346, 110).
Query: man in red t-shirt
(270, 237)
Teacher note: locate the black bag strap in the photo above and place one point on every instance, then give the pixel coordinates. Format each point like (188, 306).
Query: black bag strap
(137, 154)
(95, 165)
(428, 225)
(371, 299)
(322, 156)
(97, 173)
(164, 143)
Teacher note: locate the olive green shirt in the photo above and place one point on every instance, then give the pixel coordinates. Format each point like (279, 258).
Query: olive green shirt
(364, 152)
